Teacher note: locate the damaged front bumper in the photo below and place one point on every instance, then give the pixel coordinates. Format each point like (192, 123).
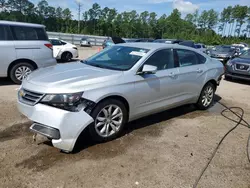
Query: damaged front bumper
(62, 126)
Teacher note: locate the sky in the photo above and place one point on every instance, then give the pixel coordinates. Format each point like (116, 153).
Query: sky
(160, 7)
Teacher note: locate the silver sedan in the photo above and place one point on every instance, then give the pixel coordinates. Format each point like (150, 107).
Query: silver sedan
(120, 84)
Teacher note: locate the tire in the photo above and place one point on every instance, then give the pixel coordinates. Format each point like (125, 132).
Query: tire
(106, 129)
(23, 69)
(67, 56)
(206, 98)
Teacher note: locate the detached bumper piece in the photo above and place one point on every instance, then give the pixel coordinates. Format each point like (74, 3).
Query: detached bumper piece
(47, 131)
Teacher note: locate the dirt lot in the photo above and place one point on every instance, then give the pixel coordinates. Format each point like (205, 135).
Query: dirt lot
(164, 150)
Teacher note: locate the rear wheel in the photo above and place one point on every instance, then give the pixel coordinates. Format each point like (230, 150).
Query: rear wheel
(109, 117)
(20, 71)
(206, 97)
(67, 56)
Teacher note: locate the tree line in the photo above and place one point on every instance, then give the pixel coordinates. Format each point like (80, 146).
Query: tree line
(210, 27)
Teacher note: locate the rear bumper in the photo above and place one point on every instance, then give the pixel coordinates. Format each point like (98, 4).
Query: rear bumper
(61, 126)
(219, 79)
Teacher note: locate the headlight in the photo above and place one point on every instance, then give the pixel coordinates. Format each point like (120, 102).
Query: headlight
(70, 102)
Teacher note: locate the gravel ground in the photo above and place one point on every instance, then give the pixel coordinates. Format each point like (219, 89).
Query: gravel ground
(164, 150)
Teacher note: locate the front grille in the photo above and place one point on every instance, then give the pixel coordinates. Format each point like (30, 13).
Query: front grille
(241, 67)
(29, 97)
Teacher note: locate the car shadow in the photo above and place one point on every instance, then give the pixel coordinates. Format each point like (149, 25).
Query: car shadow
(84, 141)
(72, 60)
(6, 81)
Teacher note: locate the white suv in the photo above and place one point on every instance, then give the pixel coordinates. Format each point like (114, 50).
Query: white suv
(24, 48)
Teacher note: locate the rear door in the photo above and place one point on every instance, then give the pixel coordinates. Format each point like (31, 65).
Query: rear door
(7, 52)
(192, 73)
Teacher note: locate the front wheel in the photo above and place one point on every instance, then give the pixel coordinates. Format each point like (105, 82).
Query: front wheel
(67, 56)
(109, 117)
(206, 97)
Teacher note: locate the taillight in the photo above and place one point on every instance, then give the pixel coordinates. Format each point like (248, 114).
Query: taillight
(50, 46)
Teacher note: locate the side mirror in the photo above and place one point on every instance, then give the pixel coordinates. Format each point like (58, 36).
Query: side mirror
(148, 69)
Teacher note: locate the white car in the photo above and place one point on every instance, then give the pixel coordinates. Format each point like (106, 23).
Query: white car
(24, 48)
(63, 50)
(120, 84)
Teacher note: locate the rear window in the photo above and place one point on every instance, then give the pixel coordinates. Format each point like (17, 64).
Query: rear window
(55, 42)
(28, 33)
(201, 58)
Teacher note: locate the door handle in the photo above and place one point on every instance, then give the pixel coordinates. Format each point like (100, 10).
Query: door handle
(172, 75)
(199, 70)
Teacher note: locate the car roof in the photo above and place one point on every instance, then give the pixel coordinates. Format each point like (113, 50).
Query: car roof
(20, 24)
(154, 46)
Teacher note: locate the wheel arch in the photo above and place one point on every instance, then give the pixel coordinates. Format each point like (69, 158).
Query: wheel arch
(117, 97)
(209, 81)
(66, 52)
(213, 81)
(23, 60)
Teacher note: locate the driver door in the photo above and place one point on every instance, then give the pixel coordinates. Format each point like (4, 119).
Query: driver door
(158, 91)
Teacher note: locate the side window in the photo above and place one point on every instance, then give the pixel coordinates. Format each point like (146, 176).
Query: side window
(3, 33)
(187, 57)
(201, 58)
(28, 33)
(41, 33)
(63, 43)
(162, 59)
(55, 42)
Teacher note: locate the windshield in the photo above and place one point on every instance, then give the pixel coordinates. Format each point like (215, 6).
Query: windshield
(117, 58)
(224, 49)
(245, 54)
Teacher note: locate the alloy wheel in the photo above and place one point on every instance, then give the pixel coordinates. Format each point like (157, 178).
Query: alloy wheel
(109, 120)
(22, 72)
(208, 95)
